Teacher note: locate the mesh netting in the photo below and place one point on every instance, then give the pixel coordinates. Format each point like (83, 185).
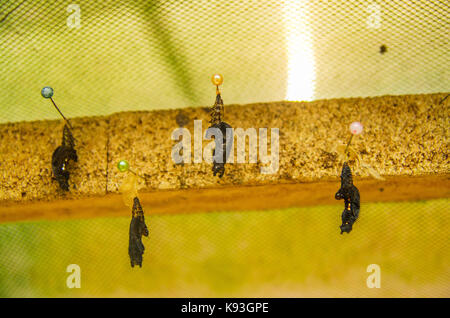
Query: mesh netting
(160, 54)
(295, 252)
(144, 55)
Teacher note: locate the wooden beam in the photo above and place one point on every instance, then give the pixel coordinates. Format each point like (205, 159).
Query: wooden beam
(230, 198)
(404, 136)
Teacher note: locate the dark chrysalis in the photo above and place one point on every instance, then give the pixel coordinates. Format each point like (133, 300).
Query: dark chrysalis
(137, 229)
(61, 157)
(216, 122)
(350, 194)
(219, 166)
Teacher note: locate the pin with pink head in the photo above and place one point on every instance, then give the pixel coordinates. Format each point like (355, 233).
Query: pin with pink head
(355, 128)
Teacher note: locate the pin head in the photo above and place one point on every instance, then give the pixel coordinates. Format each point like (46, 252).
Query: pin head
(123, 165)
(217, 79)
(356, 128)
(47, 92)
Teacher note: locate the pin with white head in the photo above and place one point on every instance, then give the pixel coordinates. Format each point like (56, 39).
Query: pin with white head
(356, 128)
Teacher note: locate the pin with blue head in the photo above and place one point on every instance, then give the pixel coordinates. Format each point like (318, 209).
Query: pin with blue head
(47, 92)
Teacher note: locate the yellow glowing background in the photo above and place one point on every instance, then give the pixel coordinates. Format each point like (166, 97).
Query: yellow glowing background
(145, 55)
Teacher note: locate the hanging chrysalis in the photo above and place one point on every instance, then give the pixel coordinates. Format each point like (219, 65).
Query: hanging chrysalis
(138, 228)
(65, 152)
(348, 191)
(217, 111)
(350, 194)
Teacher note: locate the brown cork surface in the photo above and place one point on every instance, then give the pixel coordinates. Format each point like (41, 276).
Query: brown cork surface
(403, 136)
(26, 153)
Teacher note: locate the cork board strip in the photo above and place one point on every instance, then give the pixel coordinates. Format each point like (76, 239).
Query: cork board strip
(403, 136)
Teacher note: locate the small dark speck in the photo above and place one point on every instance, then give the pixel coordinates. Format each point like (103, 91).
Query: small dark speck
(381, 189)
(182, 119)
(24, 194)
(383, 49)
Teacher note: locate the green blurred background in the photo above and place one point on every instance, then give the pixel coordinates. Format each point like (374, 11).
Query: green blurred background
(145, 55)
(295, 252)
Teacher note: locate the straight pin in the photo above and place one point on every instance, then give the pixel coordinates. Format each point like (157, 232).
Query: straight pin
(47, 92)
(123, 166)
(355, 128)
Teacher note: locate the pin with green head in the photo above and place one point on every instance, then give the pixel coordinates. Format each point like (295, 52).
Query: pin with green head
(124, 166)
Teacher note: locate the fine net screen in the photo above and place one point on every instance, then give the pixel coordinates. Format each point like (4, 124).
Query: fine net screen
(104, 57)
(110, 56)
